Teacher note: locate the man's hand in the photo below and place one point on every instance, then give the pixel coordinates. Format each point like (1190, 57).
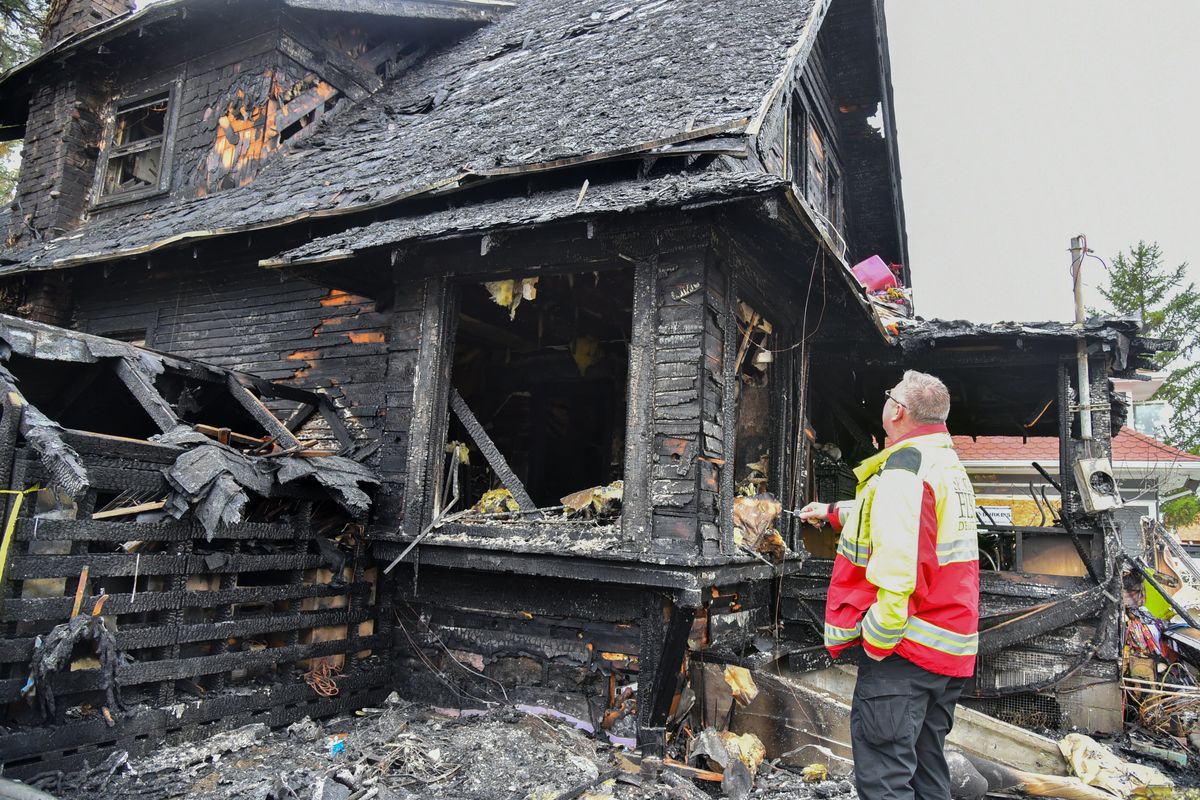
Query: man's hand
(814, 514)
(873, 656)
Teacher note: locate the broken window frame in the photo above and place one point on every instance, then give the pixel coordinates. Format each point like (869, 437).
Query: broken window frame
(112, 151)
(827, 199)
(434, 388)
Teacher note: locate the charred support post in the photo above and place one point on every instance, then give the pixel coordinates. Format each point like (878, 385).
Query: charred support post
(726, 486)
(10, 426)
(431, 381)
(664, 644)
(636, 514)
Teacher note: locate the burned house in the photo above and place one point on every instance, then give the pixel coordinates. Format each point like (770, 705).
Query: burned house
(571, 281)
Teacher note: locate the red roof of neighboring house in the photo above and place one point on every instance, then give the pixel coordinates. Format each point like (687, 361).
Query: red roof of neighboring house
(1129, 445)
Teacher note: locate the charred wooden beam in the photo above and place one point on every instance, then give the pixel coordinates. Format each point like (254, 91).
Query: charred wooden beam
(261, 414)
(1040, 619)
(243, 628)
(23, 609)
(665, 632)
(158, 409)
(492, 453)
(330, 415)
(300, 416)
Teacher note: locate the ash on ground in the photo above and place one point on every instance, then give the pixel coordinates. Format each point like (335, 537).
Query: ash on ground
(403, 752)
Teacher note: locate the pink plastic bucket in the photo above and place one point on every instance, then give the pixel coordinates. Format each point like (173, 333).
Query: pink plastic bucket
(874, 274)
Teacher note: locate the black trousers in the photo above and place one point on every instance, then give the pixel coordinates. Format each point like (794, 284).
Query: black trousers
(898, 724)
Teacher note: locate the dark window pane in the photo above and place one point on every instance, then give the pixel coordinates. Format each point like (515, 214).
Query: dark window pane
(144, 122)
(132, 171)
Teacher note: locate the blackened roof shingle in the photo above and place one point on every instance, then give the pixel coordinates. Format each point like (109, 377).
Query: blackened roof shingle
(542, 207)
(548, 81)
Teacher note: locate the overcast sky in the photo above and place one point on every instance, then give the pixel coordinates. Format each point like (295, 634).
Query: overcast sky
(1022, 124)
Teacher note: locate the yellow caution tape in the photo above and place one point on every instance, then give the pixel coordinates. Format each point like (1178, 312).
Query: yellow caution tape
(11, 526)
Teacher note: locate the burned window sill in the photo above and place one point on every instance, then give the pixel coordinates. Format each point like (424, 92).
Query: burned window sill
(582, 538)
(565, 540)
(125, 198)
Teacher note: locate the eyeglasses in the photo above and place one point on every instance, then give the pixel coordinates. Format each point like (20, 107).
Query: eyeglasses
(887, 393)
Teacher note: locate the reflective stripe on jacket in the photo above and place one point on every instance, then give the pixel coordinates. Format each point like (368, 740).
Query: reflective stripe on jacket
(906, 575)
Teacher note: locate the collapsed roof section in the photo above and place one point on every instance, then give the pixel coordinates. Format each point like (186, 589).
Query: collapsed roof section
(558, 84)
(1004, 378)
(215, 428)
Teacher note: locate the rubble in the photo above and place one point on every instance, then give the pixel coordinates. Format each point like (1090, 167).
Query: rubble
(407, 751)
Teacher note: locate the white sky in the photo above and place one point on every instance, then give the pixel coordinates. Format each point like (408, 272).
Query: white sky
(1022, 124)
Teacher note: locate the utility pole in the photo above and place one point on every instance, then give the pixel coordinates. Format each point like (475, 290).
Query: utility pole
(1078, 253)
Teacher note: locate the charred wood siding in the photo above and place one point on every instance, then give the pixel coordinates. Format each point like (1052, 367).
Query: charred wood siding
(66, 125)
(212, 85)
(76, 16)
(234, 315)
(249, 80)
(688, 402)
(850, 51)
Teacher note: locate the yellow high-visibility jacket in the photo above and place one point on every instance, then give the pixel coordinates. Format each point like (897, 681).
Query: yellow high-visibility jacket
(906, 575)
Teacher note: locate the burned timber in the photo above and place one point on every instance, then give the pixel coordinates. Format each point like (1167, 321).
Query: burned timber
(457, 360)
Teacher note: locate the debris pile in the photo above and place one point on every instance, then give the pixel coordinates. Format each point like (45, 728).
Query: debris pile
(404, 751)
(1161, 675)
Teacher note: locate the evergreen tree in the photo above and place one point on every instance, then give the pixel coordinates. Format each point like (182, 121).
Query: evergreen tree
(1141, 284)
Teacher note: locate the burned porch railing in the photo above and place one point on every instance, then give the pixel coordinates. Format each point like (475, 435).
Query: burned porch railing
(124, 626)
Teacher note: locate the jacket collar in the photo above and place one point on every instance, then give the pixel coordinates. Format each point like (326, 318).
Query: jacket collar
(935, 435)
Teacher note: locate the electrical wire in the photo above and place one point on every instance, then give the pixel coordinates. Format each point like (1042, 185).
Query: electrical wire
(322, 678)
(1086, 252)
(804, 335)
(438, 640)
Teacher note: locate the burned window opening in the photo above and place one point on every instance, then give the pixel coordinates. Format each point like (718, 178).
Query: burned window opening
(70, 395)
(757, 506)
(542, 365)
(302, 124)
(815, 169)
(135, 156)
(297, 126)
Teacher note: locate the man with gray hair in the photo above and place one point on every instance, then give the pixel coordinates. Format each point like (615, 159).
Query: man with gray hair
(905, 587)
